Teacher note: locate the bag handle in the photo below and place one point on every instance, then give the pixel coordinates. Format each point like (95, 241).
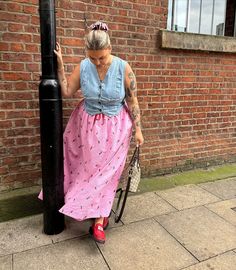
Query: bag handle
(135, 156)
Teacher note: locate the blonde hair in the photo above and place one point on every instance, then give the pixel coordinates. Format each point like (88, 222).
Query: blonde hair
(97, 38)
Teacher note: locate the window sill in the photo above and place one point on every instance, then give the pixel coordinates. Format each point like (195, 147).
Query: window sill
(190, 41)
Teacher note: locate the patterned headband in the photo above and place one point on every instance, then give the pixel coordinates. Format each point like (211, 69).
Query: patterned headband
(99, 26)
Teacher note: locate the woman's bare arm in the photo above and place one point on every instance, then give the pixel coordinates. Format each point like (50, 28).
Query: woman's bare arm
(71, 85)
(132, 101)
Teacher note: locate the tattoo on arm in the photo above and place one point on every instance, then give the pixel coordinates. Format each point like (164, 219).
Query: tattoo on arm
(135, 113)
(127, 92)
(131, 75)
(131, 94)
(132, 85)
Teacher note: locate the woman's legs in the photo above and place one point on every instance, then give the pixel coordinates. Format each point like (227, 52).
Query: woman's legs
(99, 220)
(102, 220)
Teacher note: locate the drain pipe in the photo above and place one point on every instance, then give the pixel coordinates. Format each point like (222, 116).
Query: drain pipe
(51, 127)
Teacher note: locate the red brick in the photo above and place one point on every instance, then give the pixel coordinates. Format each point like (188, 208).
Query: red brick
(5, 16)
(14, 7)
(30, 9)
(4, 46)
(34, 20)
(17, 67)
(10, 76)
(17, 57)
(32, 48)
(4, 66)
(16, 47)
(17, 37)
(13, 27)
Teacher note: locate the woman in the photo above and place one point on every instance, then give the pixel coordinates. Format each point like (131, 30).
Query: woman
(97, 136)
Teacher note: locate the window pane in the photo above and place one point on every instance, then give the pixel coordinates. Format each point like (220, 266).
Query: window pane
(169, 14)
(219, 18)
(206, 17)
(194, 16)
(180, 15)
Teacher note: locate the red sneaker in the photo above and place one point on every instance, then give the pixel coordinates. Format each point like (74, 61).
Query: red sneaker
(105, 222)
(98, 233)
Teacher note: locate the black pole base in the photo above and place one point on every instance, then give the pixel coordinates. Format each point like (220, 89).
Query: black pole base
(53, 220)
(52, 155)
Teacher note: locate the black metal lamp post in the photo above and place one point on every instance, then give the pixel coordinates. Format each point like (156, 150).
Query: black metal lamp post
(50, 123)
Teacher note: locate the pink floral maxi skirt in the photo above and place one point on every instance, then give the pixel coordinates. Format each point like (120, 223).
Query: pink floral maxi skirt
(95, 151)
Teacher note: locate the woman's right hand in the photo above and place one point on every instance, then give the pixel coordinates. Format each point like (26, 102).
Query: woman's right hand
(58, 53)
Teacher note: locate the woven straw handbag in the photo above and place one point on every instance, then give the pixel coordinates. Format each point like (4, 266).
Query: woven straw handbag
(132, 173)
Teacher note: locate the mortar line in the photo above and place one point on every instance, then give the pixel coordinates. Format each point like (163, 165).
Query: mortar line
(222, 199)
(205, 260)
(216, 180)
(165, 200)
(219, 215)
(177, 240)
(103, 256)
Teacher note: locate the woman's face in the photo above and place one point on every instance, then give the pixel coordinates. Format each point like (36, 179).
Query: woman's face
(99, 57)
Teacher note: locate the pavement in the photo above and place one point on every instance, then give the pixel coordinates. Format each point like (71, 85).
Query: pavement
(191, 227)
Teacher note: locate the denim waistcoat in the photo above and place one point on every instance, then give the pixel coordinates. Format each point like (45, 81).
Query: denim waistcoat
(105, 96)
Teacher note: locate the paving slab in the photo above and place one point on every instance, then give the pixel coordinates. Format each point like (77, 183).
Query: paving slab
(225, 209)
(201, 231)
(188, 196)
(6, 262)
(144, 206)
(79, 253)
(226, 261)
(26, 233)
(144, 245)
(21, 234)
(224, 189)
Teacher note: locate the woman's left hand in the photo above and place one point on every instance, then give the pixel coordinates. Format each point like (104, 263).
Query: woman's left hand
(139, 140)
(58, 53)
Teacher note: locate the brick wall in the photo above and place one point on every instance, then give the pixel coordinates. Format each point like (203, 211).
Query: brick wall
(187, 98)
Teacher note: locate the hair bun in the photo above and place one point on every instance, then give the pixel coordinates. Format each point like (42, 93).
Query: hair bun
(99, 26)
